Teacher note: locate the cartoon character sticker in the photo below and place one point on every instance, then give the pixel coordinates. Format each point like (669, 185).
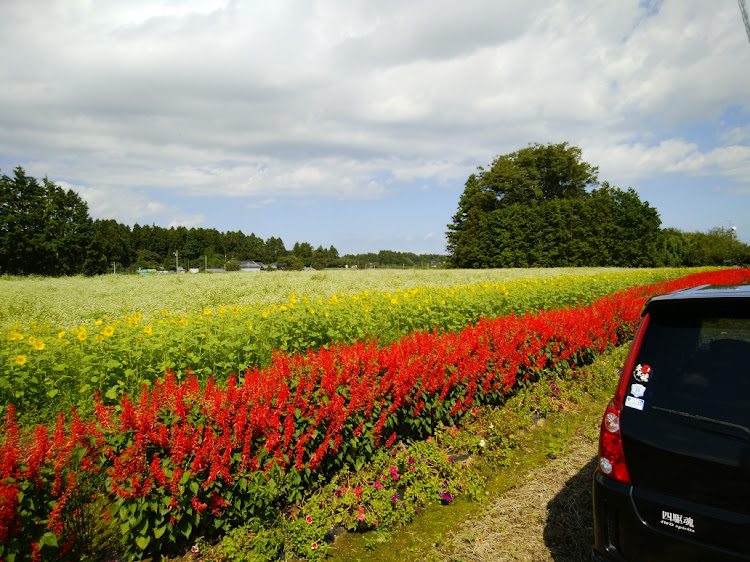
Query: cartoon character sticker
(642, 373)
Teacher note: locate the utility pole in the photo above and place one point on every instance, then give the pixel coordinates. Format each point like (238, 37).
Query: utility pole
(176, 260)
(114, 267)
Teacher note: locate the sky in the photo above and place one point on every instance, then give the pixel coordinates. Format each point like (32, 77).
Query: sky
(356, 124)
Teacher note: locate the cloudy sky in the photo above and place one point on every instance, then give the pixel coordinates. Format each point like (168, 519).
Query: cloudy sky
(355, 124)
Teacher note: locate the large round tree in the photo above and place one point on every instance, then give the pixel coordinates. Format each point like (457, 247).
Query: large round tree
(531, 175)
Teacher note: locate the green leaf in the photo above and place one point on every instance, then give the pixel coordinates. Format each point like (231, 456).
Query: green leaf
(52, 393)
(112, 392)
(142, 542)
(48, 538)
(159, 531)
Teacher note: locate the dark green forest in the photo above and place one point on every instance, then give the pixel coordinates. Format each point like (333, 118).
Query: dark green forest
(45, 230)
(542, 206)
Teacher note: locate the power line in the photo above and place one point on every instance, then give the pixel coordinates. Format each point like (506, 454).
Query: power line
(743, 10)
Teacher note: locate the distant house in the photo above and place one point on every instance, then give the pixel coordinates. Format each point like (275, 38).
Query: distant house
(251, 266)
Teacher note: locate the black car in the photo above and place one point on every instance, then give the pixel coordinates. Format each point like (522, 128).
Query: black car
(673, 481)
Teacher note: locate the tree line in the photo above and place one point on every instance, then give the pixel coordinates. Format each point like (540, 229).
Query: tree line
(45, 230)
(543, 206)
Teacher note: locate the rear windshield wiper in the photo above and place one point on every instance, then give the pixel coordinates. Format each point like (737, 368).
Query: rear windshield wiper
(703, 418)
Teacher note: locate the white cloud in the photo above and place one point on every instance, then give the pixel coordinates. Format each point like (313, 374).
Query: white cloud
(131, 206)
(188, 221)
(261, 204)
(349, 101)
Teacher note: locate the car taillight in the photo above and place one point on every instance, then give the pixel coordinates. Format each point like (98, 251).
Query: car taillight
(611, 453)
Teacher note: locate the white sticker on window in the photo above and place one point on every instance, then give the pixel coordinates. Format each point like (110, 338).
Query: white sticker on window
(632, 402)
(637, 390)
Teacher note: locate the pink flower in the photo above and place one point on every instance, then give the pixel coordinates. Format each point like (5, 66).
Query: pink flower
(377, 485)
(361, 516)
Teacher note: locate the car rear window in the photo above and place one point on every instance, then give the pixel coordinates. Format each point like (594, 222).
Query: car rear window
(697, 363)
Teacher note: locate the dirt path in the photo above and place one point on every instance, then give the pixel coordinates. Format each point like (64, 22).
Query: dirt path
(546, 518)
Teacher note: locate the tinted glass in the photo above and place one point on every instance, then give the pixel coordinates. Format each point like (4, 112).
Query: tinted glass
(698, 363)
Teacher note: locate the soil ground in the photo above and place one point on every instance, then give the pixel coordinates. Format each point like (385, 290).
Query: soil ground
(539, 509)
(547, 518)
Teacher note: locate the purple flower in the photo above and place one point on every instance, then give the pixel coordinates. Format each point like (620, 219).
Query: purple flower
(445, 496)
(394, 497)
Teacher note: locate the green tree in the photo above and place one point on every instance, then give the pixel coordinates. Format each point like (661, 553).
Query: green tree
(303, 251)
(718, 246)
(110, 244)
(293, 263)
(609, 227)
(526, 177)
(44, 229)
(253, 247)
(273, 250)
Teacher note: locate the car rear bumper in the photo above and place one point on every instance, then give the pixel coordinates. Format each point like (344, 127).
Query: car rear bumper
(620, 533)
